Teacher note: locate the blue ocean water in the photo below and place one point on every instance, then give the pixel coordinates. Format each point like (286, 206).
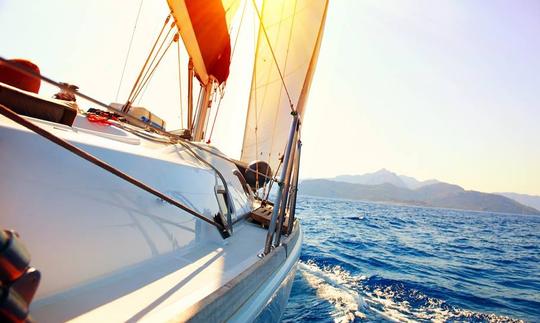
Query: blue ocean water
(370, 262)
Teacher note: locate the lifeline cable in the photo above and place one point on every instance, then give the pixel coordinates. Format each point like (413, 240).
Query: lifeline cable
(98, 162)
(140, 124)
(132, 119)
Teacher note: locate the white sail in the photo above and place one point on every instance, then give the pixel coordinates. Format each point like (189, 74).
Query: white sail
(287, 49)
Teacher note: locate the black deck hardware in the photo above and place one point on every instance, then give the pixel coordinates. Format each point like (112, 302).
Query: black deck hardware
(263, 215)
(18, 281)
(223, 231)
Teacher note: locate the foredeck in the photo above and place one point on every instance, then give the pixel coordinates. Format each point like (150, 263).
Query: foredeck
(109, 251)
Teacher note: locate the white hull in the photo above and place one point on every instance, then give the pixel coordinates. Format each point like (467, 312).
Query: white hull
(110, 251)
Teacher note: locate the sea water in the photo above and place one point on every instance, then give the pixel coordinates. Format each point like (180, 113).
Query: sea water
(376, 262)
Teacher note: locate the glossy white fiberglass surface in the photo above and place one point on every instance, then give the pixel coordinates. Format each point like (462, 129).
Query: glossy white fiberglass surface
(81, 223)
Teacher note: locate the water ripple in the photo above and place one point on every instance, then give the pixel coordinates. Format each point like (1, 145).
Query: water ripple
(375, 262)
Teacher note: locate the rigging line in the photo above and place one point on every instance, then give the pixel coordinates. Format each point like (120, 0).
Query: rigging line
(260, 107)
(129, 50)
(130, 119)
(151, 66)
(219, 155)
(180, 87)
(285, 68)
(179, 140)
(98, 162)
(212, 99)
(252, 102)
(267, 81)
(222, 93)
(254, 84)
(273, 55)
(126, 107)
(215, 117)
(197, 107)
(32, 73)
(155, 56)
(136, 123)
(274, 179)
(151, 73)
(239, 28)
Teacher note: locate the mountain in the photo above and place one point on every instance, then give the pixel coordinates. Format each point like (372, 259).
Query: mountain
(385, 176)
(529, 200)
(413, 183)
(379, 177)
(436, 195)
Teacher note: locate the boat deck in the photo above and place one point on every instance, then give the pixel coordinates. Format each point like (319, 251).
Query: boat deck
(176, 280)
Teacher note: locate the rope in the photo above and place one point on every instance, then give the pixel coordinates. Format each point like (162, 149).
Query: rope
(285, 68)
(129, 50)
(255, 41)
(239, 28)
(222, 90)
(151, 67)
(272, 181)
(98, 162)
(62, 86)
(97, 119)
(126, 107)
(273, 56)
(151, 72)
(172, 138)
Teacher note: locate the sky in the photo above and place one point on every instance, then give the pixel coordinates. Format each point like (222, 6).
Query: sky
(446, 89)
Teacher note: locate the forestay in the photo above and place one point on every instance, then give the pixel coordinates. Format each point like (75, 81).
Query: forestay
(287, 49)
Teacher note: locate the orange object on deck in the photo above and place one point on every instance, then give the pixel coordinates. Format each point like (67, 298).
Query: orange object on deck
(13, 77)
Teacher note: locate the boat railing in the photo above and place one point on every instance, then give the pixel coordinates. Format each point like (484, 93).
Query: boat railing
(222, 227)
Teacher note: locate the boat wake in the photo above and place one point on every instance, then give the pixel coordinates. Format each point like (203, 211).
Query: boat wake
(336, 286)
(360, 298)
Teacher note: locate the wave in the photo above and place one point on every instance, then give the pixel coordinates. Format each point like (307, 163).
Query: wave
(334, 285)
(361, 298)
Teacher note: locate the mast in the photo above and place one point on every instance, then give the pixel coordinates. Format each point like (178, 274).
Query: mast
(204, 27)
(202, 111)
(191, 75)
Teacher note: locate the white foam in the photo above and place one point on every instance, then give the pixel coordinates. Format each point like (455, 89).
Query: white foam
(333, 285)
(341, 289)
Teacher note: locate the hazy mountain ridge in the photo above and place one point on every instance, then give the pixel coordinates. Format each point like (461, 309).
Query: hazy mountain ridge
(433, 193)
(385, 176)
(526, 199)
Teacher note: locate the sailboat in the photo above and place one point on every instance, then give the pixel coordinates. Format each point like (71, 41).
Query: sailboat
(107, 216)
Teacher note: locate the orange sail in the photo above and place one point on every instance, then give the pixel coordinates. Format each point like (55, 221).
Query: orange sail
(204, 27)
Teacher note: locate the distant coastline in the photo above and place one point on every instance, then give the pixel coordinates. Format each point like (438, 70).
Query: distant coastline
(387, 187)
(388, 203)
